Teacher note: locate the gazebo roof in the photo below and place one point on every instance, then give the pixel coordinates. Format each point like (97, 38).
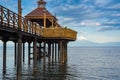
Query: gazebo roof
(39, 12)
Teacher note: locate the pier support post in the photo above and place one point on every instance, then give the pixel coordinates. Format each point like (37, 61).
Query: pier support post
(61, 52)
(55, 52)
(66, 52)
(58, 52)
(29, 53)
(19, 54)
(4, 56)
(44, 60)
(40, 54)
(23, 52)
(49, 53)
(52, 53)
(35, 54)
(15, 53)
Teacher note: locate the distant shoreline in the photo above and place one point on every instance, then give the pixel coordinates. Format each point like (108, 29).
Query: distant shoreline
(92, 46)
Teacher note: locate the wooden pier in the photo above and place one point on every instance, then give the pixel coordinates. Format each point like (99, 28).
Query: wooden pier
(40, 30)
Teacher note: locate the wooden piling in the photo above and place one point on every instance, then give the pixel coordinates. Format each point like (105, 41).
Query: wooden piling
(61, 52)
(15, 53)
(49, 53)
(58, 52)
(29, 52)
(40, 54)
(23, 52)
(4, 56)
(35, 54)
(52, 53)
(66, 52)
(55, 52)
(19, 54)
(44, 59)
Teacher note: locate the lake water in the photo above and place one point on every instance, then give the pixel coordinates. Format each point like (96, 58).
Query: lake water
(84, 63)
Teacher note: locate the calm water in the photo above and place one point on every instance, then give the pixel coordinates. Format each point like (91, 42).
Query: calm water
(101, 63)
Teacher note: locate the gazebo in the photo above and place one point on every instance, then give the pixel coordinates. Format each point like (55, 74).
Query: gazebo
(51, 32)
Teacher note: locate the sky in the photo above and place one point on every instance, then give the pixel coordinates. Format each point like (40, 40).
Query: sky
(94, 20)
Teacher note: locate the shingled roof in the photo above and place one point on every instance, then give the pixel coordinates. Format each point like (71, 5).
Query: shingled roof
(39, 12)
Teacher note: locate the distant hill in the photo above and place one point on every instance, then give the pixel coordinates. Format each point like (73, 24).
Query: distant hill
(89, 43)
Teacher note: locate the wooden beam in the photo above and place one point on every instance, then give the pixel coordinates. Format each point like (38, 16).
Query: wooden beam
(44, 19)
(19, 15)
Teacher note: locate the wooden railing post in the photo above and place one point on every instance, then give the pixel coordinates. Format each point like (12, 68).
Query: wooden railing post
(8, 18)
(1, 14)
(14, 20)
(44, 18)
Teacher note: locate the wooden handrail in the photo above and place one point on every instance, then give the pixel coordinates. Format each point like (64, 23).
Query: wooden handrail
(9, 18)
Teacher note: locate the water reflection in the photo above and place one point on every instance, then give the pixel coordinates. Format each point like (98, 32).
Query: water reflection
(51, 71)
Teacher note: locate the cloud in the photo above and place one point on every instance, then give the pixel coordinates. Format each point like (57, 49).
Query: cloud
(11, 4)
(89, 23)
(109, 26)
(87, 15)
(106, 28)
(82, 32)
(115, 6)
(3, 1)
(49, 0)
(102, 3)
(81, 38)
(112, 24)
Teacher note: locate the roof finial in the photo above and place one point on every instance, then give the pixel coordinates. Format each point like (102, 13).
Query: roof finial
(41, 4)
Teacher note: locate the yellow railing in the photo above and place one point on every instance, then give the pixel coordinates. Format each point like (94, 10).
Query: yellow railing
(62, 33)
